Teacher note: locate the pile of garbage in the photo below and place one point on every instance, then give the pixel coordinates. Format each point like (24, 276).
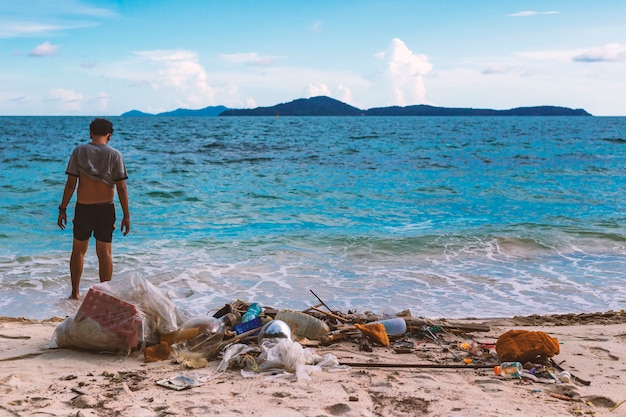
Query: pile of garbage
(131, 314)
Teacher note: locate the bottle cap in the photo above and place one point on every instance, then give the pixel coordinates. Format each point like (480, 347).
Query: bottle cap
(230, 319)
(497, 369)
(565, 377)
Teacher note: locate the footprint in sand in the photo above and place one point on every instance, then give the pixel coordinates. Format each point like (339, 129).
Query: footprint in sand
(602, 353)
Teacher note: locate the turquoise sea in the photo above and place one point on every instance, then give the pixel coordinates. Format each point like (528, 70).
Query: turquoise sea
(445, 216)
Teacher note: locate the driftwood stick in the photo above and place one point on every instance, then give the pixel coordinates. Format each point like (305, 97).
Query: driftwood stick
(563, 397)
(574, 377)
(416, 323)
(26, 356)
(341, 319)
(320, 300)
(413, 365)
(242, 335)
(311, 308)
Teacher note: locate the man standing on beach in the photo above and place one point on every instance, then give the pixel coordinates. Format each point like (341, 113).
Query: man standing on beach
(98, 169)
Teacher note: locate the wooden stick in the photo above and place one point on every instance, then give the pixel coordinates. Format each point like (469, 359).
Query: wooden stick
(311, 308)
(574, 377)
(413, 365)
(330, 315)
(562, 397)
(320, 300)
(243, 335)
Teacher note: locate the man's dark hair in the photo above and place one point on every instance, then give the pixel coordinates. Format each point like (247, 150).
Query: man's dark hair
(101, 127)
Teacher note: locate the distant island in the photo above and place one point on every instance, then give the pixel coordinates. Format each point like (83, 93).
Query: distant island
(326, 106)
(207, 111)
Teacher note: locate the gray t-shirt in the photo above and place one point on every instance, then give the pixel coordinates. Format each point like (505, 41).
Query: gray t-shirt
(99, 162)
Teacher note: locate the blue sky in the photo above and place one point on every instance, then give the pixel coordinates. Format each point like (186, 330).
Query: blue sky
(71, 57)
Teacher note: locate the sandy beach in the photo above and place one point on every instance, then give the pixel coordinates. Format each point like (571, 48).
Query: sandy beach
(37, 380)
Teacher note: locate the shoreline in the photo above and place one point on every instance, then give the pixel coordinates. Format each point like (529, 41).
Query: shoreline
(37, 380)
(557, 319)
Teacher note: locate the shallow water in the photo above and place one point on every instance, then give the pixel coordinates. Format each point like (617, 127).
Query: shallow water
(454, 217)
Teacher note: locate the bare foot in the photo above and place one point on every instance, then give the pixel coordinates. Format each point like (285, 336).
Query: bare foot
(74, 296)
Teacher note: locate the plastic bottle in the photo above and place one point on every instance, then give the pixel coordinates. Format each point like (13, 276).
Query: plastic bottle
(394, 327)
(303, 325)
(472, 348)
(509, 369)
(200, 337)
(255, 323)
(253, 311)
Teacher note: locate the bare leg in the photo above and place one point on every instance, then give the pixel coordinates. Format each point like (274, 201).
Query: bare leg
(79, 248)
(105, 260)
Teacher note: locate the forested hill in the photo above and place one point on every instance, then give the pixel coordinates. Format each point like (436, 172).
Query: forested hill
(424, 110)
(207, 111)
(315, 106)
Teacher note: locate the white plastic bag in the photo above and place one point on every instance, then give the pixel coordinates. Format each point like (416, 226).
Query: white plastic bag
(161, 315)
(119, 315)
(292, 358)
(85, 334)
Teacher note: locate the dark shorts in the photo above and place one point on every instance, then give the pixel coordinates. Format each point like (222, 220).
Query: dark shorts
(98, 219)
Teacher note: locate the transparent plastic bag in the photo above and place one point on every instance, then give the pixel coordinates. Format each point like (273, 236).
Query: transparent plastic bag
(160, 314)
(293, 358)
(86, 334)
(285, 354)
(119, 315)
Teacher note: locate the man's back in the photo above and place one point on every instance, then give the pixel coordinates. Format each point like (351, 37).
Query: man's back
(98, 161)
(92, 191)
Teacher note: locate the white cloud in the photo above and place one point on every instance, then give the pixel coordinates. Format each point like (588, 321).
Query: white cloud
(70, 99)
(341, 93)
(165, 55)
(499, 69)
(344, 94)
(317, 89)
(66, 96)
(102, 101)
(17, 99)
(528, 13)
(405, 71)
(282, 84)
(176, 74)
(611, 52)
(251, 58)
(16, 29)
(45, 49)
(179, 69)
(42, 17)
(250, 103)
(87, 10)
(547, 55)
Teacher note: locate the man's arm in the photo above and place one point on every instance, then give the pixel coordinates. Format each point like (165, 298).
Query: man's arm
(70, 186)
(122, 194)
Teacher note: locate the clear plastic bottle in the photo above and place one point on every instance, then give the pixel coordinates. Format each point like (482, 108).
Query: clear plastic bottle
(472, 348)
(200, 337)
(509, 369)
(303, 325)
(394, 327)
(254, 310)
